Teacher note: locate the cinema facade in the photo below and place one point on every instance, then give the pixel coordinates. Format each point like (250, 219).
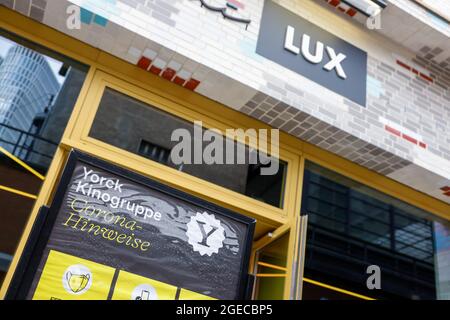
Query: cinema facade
(363, 153)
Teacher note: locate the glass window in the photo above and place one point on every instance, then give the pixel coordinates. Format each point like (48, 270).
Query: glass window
(368, 214)
(136, 127)
(38, 89)
(352, 226)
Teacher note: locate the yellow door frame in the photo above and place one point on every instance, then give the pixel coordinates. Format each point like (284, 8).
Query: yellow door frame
(79, 138)
(108, 70)
(263, 242)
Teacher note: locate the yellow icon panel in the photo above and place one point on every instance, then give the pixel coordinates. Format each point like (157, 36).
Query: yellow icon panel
(191, 295)
(133, 287)
(66, 277)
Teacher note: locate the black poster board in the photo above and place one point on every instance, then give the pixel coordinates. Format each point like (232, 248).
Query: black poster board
(113, 234)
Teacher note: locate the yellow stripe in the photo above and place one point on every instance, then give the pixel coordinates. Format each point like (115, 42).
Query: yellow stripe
(270, 275)
(23, 164)
(20, 193)
(320, 284)
(265, 264)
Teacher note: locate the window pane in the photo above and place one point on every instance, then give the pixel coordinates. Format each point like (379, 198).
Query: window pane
(38, 89)
(352, 226)
(136, 127)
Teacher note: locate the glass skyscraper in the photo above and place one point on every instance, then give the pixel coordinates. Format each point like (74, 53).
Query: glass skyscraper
(27, 85)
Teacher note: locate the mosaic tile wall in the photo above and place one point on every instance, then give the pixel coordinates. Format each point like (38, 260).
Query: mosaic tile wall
(31, 8)
(403, 132)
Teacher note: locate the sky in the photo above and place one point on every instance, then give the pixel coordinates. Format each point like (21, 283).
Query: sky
(55, 65)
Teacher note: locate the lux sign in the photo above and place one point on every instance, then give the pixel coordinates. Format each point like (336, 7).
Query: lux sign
(303, 47)
(317, 57)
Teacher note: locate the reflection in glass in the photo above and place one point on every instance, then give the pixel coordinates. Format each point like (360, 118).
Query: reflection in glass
(136, 127)
(352, 226)
(345, 206)
(38, 89)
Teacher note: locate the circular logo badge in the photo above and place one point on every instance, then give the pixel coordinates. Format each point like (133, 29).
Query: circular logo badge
(144, 292)
(205, 233)
(77, 279)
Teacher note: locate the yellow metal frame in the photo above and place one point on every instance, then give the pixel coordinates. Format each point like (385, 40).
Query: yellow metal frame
(18, 192)
(21, 163)
(108, 71)
(26, 167)
(263, 242)
(79, 138)
(314, 282)
(333, 288)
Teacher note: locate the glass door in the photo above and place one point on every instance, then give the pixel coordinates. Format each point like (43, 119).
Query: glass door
(278, 262)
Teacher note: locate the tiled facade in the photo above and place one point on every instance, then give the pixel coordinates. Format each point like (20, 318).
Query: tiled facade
(32, 8)
(403, 131)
